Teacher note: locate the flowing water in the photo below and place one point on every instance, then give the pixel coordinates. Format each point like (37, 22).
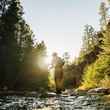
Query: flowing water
(61, 102)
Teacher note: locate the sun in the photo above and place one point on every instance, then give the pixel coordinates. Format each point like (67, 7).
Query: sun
(48, 59)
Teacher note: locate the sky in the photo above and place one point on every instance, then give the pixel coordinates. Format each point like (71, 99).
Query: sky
(60, 23)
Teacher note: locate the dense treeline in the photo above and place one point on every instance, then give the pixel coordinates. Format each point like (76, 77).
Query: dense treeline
(92, 68)
(97, 74)
(86, 57)
(21, 58)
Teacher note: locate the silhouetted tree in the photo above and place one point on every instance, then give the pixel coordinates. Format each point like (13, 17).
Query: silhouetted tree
(10, 54)
(22, 63)
(66, 57)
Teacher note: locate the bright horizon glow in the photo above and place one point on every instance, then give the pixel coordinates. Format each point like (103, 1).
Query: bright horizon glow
(48, 60)
(60, 23)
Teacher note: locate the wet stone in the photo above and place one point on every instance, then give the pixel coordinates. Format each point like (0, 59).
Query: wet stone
(60, 102)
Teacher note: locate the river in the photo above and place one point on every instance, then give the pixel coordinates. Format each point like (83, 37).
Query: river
(57, 102)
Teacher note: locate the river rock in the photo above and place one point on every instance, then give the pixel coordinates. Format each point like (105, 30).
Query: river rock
(68, 92)
(51, 94)
(59, 102)
(100, 90)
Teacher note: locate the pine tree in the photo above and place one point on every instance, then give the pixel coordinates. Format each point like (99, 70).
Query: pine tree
(99, 72)
(10, 19)
(103, 11)
(16, 40)
(66, 57)
(90, 39)
(26, 45)
(22, 63)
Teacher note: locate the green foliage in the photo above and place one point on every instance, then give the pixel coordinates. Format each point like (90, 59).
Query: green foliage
(20, 60)
(8, 45)
(66, 57)
(75, 71)
(72, 76)
(99, 72)
(105, 82)
(90, 45)
(90, 39)
(103, 11)
(96, 72)
(89, 77)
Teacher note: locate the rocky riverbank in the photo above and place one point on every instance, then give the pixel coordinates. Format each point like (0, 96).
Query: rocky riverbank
(93, 99)
(68, 100)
